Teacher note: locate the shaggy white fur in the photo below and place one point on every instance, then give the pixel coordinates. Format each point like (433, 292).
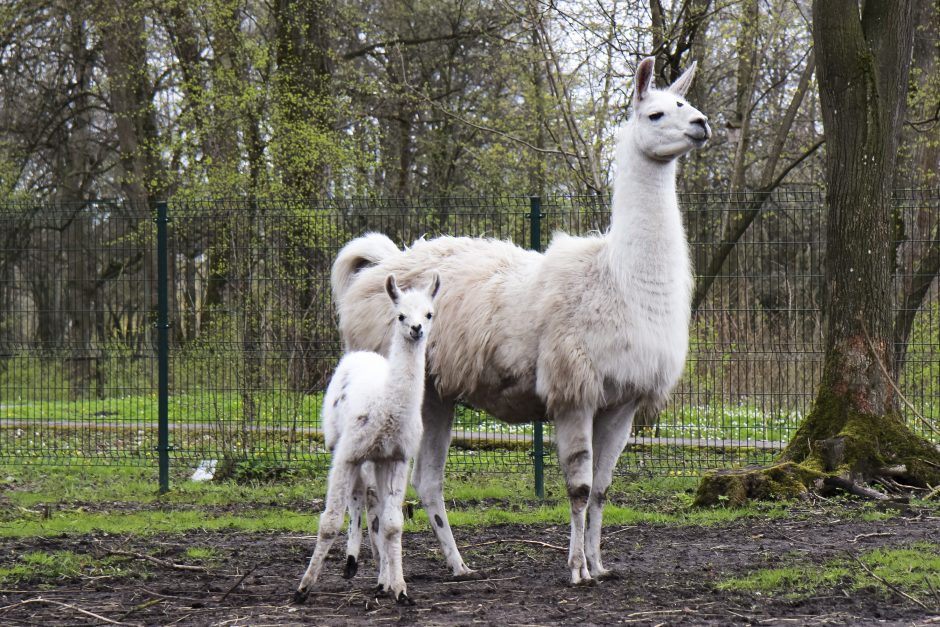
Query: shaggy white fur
(372, 425)
(581, 335)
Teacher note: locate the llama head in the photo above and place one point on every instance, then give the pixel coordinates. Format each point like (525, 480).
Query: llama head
(414, 308)
(664, 125)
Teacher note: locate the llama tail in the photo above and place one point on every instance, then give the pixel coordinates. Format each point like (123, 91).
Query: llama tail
(360, 253)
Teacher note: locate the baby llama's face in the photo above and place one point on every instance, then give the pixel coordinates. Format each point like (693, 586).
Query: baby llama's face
(414, 314)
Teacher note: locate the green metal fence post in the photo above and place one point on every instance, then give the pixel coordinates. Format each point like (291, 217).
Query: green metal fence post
(163, 350)
(535, 224)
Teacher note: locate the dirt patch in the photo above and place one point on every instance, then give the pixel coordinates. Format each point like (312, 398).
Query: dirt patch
(668, 575)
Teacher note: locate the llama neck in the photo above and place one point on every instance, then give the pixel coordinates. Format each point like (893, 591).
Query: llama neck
(646, 230)
(406, 379)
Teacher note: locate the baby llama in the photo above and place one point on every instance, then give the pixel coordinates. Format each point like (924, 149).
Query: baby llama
(372, 424)
(581, 335)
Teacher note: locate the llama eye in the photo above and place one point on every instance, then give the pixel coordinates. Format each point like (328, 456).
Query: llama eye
(680, 104)
(401, 317)
(656, 116)
(429, 315)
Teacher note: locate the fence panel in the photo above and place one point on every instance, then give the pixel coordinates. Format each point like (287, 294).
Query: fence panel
(77, 365)
(252, 336)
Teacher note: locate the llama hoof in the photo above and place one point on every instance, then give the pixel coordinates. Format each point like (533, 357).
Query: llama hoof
(586, 582)
(470, 575)
(351, 567)
(581, 577)
(404, 599)
(300, 597)
(378, 591)
(608, 575)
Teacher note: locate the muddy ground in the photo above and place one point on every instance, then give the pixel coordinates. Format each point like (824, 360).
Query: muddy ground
(668, 576)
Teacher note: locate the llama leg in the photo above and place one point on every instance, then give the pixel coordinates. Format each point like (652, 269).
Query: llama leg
(391, 478)
(331, 521)
(573, 438)
(357, 502)
(428, 474)
(611, 432)
(373, 519)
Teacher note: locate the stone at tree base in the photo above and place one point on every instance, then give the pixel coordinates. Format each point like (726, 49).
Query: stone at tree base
(737, 486)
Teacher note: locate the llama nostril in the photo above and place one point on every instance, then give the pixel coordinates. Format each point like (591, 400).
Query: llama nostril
(702, 123)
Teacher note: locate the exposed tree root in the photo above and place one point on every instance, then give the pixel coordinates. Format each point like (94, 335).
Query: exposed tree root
(854, 488)
(737, 486)
(866, 452)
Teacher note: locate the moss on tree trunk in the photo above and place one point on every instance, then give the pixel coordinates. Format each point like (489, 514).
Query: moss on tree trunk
(737, 486)
(854, 435)
(835, 442)
(837, 439)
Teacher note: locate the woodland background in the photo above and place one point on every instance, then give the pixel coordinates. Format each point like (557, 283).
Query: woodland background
(150, 100)
(273, 127)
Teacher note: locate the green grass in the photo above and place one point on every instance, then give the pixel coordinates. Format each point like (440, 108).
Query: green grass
(54, 500)
(222, 412)
(79, 522)
(558, 514)
(34, 485)
(914, 569)
(225, 410)
(47, 568)
(154, 522)
(203, 554)
(200, 408)
(792, 581)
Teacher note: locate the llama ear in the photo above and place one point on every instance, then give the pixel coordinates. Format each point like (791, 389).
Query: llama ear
(434, 285)
(391, 288)
(682, 84)
(644, 78)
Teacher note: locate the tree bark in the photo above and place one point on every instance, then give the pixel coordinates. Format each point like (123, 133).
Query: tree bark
(304, 111)
(746, 75)
(919, 255)
(855, 428)
(737, 224)
(124, 47)
(855, 431)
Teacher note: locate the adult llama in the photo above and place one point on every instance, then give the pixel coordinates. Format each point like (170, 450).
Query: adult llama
(581, 335)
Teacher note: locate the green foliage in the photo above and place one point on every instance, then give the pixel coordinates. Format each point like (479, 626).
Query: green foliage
(264, 468)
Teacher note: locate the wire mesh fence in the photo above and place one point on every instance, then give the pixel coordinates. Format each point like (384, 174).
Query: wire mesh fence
(252, 332)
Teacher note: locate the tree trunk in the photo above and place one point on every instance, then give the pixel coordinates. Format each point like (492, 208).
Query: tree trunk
(746, 75)
(919, 255)
(142, 175)
(734, 228)
(124, 47)
(304, 111)
(854, 431)
(855, 428)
